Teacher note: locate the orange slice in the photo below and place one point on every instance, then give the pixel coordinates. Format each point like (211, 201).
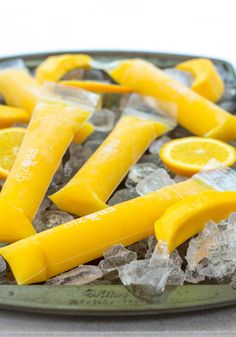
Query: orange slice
(187, 156)
(99, 87)
(10, 115)
(10, 141)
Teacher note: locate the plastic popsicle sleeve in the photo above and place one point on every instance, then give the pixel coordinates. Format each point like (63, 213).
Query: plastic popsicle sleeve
(21, 90)
(93, 184)
(194, 112)
(207, 82)
(58, 115)
(18, 88)
(55, 67)
(10, 115)
(37, 258)
(97, 87)
(187, 217)
(84, 132)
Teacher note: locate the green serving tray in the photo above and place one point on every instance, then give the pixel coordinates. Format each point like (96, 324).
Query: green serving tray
(110, 300)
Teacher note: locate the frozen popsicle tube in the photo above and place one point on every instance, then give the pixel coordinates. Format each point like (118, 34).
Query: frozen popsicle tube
(55, 67)
(98, 87)
(37, 258)
(21, 90)
(187, 217)
(207, 81)
(17, 86)
(10, 115)
(94, 183)
(193, 112)
(59, 113)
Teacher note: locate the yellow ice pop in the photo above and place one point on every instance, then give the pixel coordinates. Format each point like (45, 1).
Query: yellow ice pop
(94, 183)
(59, 113)
(37, 258)
(55, 67)
(21, 90)
(10, 115)
(207, 82)
(187, 217)
(192, 111)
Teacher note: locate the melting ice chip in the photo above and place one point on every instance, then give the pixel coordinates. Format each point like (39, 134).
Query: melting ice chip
(156, 272)
(138, 172)
(156, 146)
(212, 253)
(115, 257)
(122, 195)
(181, 76)
(81, 275)
(155, 181)
(103, 120)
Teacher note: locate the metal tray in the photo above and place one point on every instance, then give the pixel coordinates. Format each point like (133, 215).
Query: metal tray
(110, 300)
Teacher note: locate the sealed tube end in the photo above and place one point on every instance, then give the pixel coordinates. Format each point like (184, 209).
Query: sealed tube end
(61, 94)
(21, 226)
(27, 261)
(78, 200)
(225, 131)
(83, 133)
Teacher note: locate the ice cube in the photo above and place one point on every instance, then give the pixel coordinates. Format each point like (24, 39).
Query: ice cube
(212, 253)
(122, 195)
(181, 76)
(55, 218)
(156, 146)
(115, 257)
(154, 272)
(51, 218)
(139, 172)
(155, 181)
(83, 274)
(151, 246)
(103, 120)
(199, 246)
(140, 248)
(192, 276)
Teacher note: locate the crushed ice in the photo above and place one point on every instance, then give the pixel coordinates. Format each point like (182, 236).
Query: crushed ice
(156, 272)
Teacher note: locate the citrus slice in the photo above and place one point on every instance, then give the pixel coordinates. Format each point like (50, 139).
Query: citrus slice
(187, 156)
(99, 87)
(10, 141)
(10, 115)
